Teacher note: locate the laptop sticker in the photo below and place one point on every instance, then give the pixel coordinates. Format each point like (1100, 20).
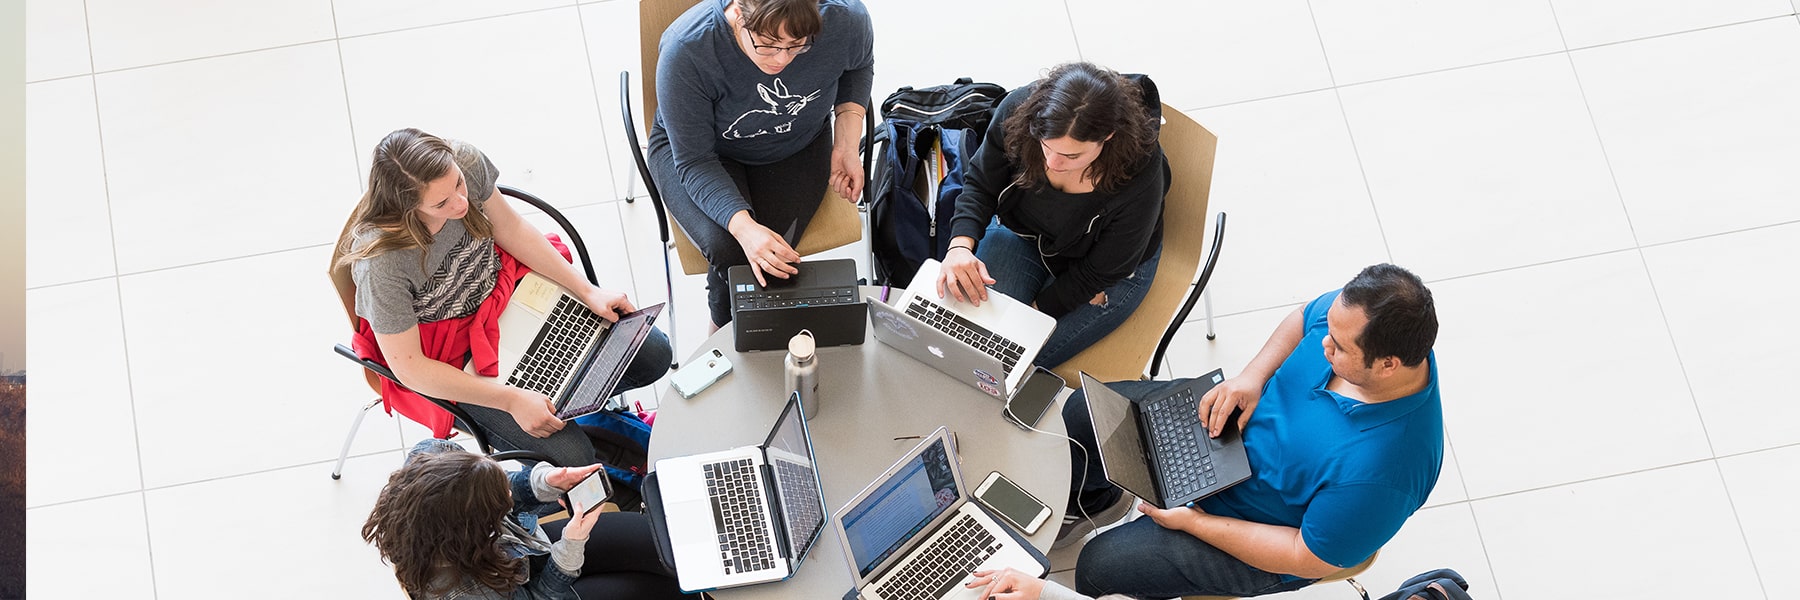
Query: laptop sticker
(989, 388)
(984, 377)
(897, 325)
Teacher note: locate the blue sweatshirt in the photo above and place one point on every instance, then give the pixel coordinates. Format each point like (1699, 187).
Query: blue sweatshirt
(714, 102)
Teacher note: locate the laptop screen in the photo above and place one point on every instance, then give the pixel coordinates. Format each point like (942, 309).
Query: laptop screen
(1121, 448)
(900, 507)
(796, 483)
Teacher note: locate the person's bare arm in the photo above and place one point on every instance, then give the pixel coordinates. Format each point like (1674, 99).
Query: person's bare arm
(527, 244)
(439, 380)
(1272, 548)
(1245, 390)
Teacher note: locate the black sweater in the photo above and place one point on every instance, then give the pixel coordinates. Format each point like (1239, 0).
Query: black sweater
(1089, 241)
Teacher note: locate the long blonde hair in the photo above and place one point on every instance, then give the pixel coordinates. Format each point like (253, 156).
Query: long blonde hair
(404, 163)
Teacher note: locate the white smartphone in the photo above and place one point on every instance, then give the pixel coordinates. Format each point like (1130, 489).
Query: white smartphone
(588, 494)
(695, 376)
(1012, 503)
(1032, 399)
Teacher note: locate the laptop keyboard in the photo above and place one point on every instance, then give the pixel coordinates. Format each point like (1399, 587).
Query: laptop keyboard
(799, 489)
(1185, 461)
(738, 516)
(606, 367)
(976, 336)
(559, 344)
(791, 298)
(936, 569)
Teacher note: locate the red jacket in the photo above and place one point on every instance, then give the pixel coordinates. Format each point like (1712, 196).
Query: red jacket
(475, 338)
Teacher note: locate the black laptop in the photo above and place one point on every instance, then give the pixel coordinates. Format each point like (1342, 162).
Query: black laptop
(1156, 447)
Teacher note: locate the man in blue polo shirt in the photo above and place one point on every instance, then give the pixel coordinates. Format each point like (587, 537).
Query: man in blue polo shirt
(1345, 434)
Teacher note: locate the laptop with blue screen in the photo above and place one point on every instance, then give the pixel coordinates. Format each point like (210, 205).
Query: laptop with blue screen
(912, 533)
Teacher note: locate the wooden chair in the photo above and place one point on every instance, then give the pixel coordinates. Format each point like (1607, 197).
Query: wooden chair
(838, 222)
(374, 372)
(1126, 353)
(1348, 575)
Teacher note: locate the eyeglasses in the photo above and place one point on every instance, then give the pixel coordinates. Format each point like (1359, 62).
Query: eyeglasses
(762, 50)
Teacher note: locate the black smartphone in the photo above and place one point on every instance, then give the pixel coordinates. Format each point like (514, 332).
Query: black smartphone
(1033, 398)
(588, 494)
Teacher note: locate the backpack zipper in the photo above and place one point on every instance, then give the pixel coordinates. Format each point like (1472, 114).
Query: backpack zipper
(953, 105)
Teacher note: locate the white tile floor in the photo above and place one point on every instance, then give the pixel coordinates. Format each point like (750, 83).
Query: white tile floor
(1601, 192)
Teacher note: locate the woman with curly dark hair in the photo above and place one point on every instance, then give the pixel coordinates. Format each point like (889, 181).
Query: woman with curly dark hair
(454, 524)
(1062, 207)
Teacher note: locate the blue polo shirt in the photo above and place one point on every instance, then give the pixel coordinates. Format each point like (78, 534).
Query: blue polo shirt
(1346, 473)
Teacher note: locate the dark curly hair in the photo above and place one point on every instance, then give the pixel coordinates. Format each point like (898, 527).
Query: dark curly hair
(1086, 102)
(441, 513)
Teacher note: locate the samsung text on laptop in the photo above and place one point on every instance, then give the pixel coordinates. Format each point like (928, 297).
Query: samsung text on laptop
(745, 515)
(552, 344)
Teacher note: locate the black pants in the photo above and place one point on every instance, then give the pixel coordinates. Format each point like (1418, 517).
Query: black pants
(620, 560)
(783, 196)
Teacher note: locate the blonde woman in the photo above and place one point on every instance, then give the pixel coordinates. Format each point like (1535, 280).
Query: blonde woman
(435, 251)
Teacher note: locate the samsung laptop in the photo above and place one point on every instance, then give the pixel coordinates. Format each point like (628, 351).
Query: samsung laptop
(948, 334)
(552, 344)
(1156, 447)
(745, 515)
(913, 534)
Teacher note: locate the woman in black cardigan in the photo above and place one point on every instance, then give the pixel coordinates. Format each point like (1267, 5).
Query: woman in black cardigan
(1063, 204)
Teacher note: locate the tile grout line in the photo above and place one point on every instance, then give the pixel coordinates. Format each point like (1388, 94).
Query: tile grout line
(172, 486)
(1073, 35)
(587, 57)
(344, 81)
(298, 44)
(137, 438)
(1350, 132)
(1744, 535)
(1656, 296)
(1494, 574)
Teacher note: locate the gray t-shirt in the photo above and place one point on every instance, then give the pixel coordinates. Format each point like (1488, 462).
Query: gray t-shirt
(714, 102)
(395, 293)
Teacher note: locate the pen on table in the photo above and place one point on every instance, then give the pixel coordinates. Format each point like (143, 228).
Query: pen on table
(954, 445)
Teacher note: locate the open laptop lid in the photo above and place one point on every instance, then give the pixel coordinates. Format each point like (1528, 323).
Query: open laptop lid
(935, 348)
(595, 382)
(900, 508)
(802, 500)
(1122, 454)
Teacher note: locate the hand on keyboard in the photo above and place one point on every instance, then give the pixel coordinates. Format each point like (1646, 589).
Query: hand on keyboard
(1229, 395)
(1006, 584)
(963, 276)
(606, 303)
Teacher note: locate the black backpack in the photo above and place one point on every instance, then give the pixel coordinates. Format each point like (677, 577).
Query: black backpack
(960, 105)
(928, 136)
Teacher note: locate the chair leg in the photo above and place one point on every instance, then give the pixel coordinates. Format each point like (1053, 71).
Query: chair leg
(337, 472)
(669, 290)
(631, 178)
(1207, 296)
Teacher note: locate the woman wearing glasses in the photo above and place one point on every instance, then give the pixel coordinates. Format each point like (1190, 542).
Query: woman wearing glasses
(760, 105)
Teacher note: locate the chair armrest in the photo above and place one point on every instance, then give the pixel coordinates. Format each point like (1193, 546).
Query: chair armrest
(1212, 260)
(461, 416)
(587, 265)
(637, 155)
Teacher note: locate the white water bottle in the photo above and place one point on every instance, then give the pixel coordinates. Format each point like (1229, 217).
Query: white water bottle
(802, 370)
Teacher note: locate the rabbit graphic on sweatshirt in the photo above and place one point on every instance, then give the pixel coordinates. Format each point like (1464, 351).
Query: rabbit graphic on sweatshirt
(777, 118)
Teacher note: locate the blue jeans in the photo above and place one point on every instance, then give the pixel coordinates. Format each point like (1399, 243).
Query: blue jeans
(569, 446)
(1142, 558)
(1019, 272)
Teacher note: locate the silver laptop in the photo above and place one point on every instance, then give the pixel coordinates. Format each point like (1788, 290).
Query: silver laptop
(552, 344)
(745, 515)
(913, 534)
(945, 332)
